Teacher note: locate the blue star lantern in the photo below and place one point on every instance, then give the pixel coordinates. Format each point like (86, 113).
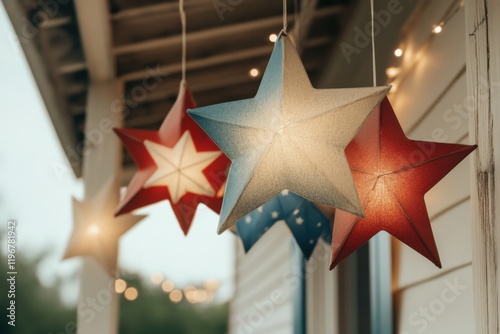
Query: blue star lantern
(303, 218)
(289, 136)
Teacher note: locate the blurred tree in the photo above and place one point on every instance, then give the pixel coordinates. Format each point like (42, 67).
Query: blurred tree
(39, 309)
(153, 313)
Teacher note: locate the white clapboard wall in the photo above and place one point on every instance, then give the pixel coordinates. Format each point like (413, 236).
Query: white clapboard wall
(265, 284)
(431, 103)
(322, 310)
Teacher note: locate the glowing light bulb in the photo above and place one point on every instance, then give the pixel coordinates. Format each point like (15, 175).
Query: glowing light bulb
(437, 29)
(398, 52)
(131, 294)
(167, 286)
(254, 72)
(94, 229)
(273, 38)
(120, 285)
(175, 296)
(392, 72)
(157, 278)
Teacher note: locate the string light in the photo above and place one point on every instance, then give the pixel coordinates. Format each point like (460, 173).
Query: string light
(273, 38)
(175, 296)
(167, 286)
(437, 28)
(452, 10)
(94, 229)
(157, 278)
(131, 294)
(211, 285)
(120, 285)
(392, 72)
(254, 72)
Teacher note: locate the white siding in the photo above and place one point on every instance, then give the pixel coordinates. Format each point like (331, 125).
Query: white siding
(429, 101)
(321, 292)
(265, 284)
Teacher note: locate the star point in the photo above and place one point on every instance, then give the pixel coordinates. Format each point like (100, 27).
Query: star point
(180, 169)
(96, 232)
(304, 229)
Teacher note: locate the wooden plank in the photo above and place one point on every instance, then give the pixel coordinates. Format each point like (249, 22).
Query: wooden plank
(452, 189)
(483, 79)
(380, 284)
(265, 283)
(452, 233)
(448, 119)
(95, 31)
(321, 293)
(198, 36)
(443, 305)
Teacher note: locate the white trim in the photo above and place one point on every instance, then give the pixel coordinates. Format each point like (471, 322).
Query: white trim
(483, 78)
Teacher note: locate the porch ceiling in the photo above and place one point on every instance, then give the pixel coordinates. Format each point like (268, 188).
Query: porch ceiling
(146, 45)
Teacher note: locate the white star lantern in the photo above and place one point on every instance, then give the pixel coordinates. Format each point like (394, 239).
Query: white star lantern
(180, 168)
(289, 136)
(96, 231)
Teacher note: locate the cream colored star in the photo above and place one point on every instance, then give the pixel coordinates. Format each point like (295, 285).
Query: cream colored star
(289, 136)
(96, 231)
(180, 168)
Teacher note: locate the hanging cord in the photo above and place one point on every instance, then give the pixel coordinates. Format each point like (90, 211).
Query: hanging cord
(373, 45)
(285, 21)
(183, 22)
(296, 18)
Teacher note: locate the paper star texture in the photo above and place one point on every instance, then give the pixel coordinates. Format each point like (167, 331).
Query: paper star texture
(96, 231)
(179, 163)
(392, 174)
(303, 218)
(289, 136)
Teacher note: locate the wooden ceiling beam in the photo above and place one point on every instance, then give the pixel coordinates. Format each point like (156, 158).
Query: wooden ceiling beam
(198, 87)
(217, 33)
(56, 22)
(199, 36)
(168, 7)
(95, 31)
(217, 60)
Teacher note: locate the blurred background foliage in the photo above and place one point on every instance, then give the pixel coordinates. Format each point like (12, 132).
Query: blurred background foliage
(39, 309)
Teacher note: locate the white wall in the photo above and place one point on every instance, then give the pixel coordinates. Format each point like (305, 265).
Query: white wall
(430, 102)
(264, 285)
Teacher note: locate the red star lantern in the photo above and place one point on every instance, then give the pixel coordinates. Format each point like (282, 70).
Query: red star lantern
(392, 175)
(179, 163)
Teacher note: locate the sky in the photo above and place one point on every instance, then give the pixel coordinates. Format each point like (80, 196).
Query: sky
(32, 193)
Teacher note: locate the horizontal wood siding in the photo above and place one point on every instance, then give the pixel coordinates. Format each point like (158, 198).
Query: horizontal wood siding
(264, 287)
(431, 103)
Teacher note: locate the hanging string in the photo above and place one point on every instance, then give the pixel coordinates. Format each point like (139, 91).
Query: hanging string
(296, 19)
(183, 22)
(285, 23)
(373, 45)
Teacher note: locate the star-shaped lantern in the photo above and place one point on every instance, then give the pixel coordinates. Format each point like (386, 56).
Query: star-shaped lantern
(392, 174)
(179, 163)
(289, 136)
(303, 218)
(96, 231)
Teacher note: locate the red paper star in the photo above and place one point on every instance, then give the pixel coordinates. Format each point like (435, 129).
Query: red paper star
(392, 175)
(179, 163)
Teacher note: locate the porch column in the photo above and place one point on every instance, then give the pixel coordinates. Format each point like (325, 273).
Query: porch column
(483, 84)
